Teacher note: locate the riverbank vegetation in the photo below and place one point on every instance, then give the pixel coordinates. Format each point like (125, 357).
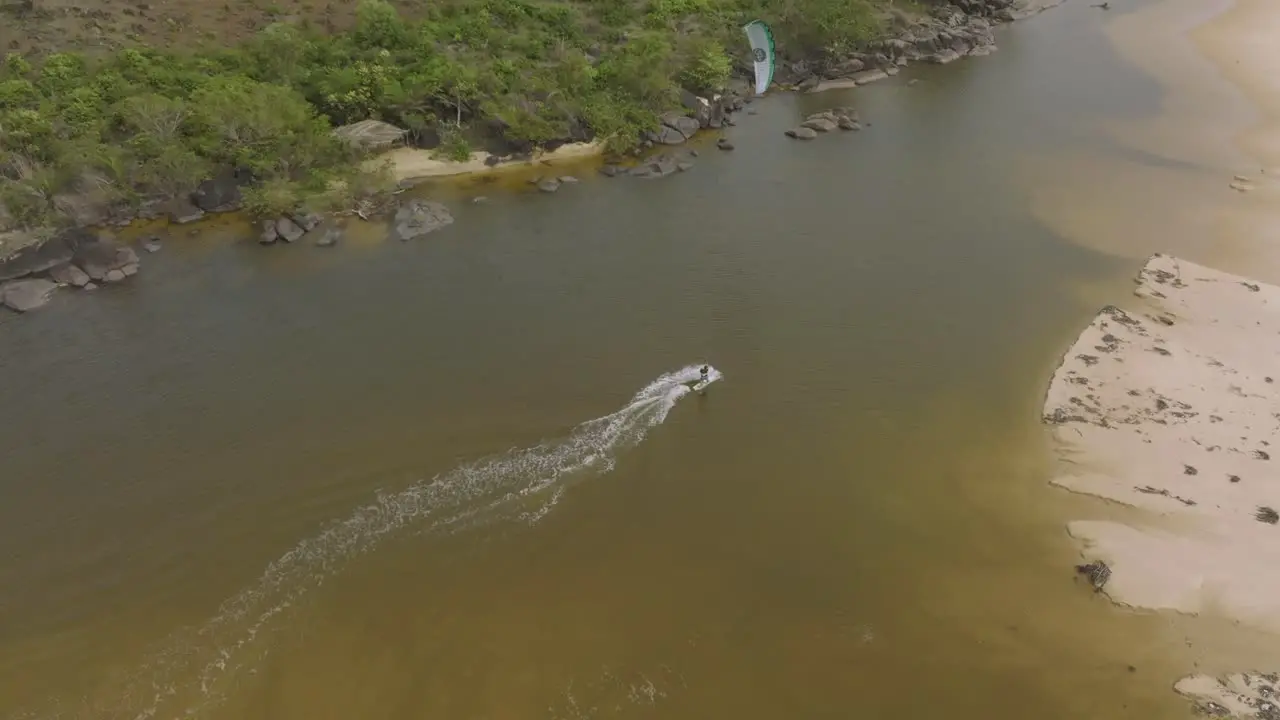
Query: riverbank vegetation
(110, 128)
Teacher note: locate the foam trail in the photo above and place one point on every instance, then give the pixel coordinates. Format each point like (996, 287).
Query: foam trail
(186, 677)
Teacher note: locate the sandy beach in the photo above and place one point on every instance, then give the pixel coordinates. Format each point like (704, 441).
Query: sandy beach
(409, 164)
(1166, 404)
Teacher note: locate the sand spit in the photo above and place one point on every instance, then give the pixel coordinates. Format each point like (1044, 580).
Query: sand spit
(1172, 407)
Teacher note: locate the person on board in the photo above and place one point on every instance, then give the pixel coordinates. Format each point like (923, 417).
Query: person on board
(704, 371)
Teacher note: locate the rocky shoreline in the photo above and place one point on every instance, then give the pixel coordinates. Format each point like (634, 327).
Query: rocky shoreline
(88, 255)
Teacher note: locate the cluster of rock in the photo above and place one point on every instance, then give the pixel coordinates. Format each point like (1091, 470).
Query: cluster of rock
(293, 227)
(700, 114)
(951, 32)
(75, 258)
(841, 118)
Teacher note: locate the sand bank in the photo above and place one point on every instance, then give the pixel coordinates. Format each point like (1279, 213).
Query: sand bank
(1172, 406)
(416, 164)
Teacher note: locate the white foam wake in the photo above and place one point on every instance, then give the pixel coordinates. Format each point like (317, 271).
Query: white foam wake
(189, 674)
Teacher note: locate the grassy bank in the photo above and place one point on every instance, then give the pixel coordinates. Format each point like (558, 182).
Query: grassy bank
(116, 127)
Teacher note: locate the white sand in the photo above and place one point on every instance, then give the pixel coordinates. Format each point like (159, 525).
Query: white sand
(1173, 406)
(416, 164)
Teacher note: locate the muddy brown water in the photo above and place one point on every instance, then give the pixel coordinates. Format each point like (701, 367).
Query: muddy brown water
(217, 481)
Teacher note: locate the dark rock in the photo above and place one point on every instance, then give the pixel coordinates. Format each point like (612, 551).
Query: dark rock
(269, 234)
(699, 108)
(36, 258)
(548, 185)
(306, 220)
(68, 274)
(102, 258)
(821, 124)
(802, 133)
(26, 295)
(183, 211)
(288, 230)
(724, 144)
(845, 68)
(492, 160)
(656, 167)
(419, 217)
(845, 112)
(1097, 572)
(220, 193)
(719, 114)
(686, 126)
(666, 135)
(808, 83)
(869, 76)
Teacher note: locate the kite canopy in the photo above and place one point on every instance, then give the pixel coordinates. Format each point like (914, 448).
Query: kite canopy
(761, 39)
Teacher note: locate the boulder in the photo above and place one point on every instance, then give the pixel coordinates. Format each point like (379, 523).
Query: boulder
(869, 76)
(221, 193)
(68, 274)
(658, 166)
(808, 83)
(567, 180)
(101, 257)
(288, 230)
(667, 135)
(686, 126)
(845, 68)
(724, 144)
(306, 220)
(610, 170)
(548, 185)
(420, 217)
(268, 234)
(848, 123)
(36, 258)
(802, 133)
(684, 165)
(944, 57)
(821, 124)
(115, 276)
(719, 114)
(26, 295)
(182, 211)
(698, 107)
(152, 245)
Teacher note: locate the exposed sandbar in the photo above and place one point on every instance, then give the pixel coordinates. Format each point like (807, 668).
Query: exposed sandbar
(1172, 406)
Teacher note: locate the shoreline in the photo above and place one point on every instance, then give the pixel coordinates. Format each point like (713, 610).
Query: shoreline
(1151, 404)
(37, 265)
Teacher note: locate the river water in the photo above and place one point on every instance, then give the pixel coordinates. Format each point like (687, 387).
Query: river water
(218, 494)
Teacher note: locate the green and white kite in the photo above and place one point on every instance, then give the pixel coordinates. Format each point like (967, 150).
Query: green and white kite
(761, 38)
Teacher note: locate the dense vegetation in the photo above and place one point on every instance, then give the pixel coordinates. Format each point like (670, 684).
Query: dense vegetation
(142, 123)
